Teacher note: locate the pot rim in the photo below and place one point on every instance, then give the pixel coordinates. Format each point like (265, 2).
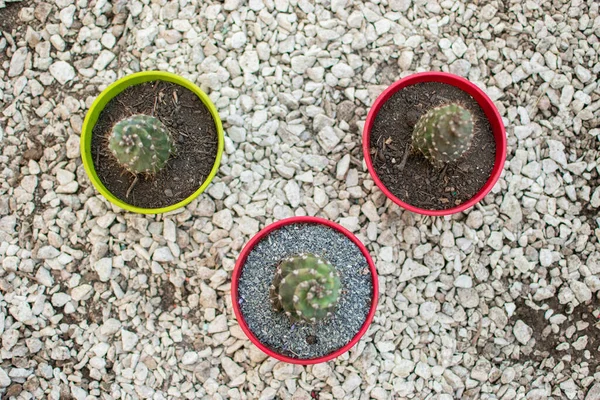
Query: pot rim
(484, 102)
(237, 271)
(112, 91)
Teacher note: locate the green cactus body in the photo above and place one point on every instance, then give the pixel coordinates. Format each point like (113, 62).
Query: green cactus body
(444, 133)
(141, 144)
(305, 287)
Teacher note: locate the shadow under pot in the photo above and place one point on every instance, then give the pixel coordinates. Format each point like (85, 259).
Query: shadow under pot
(304, 290)
(151, 142)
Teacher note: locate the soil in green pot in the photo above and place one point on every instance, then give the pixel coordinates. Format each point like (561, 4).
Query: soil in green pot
(194, 135)
(407, 173)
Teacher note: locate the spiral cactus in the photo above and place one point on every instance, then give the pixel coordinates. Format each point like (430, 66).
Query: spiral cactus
(141, 144)
(305, 287)
(444, 133)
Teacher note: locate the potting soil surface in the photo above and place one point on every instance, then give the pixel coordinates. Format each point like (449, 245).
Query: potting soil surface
(193, 131)
(304, 340)
(407, 173)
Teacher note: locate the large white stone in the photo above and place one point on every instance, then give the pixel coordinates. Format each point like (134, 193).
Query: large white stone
(163, 254)
(62, 71)
(17, 62)
(593, 393)
(110, 327)
(223, 219)
(249, 61)
(512, 208)
(103, 60)
(47, 252)
(81, 292)
(342, 70)
(129, 340)
(522, 332)
(411, 269)
(400, 5)
(301, 63)
(4, 379)
(145, 37)
(328, 139)
(292, 192)
(103, 268)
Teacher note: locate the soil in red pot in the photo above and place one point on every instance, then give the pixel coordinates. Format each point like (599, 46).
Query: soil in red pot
(297, 339)
(407, 173)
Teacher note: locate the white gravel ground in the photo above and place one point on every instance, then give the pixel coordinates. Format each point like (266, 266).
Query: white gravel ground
(497, 303)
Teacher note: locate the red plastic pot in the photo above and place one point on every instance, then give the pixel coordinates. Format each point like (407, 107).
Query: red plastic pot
(237, 272)
(486, 104)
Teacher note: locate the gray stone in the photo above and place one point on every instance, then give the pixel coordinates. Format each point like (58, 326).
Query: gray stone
(223, 219)
(460, 67)
(292, 192)
(219, 324)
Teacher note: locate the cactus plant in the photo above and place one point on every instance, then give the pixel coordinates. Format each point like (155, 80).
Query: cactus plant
(141, 144)
(305, 287)
(444, 133)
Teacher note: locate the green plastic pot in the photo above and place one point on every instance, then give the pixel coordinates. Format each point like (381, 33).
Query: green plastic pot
(107, 95)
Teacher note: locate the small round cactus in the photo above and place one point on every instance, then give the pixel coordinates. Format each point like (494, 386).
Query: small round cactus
(305, 287)
(141, 144)
(444, 133)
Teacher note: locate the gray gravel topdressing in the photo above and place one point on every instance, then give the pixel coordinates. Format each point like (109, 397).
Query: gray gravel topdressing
(274, 329)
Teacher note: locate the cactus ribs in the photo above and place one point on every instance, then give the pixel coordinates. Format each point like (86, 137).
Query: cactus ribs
(305, 287)
(432, 146)
(154, 144)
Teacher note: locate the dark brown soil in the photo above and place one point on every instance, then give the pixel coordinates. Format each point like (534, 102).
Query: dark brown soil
(9, 16)
(194, 133)
(408, 174)
(11, 24)
(546, 341)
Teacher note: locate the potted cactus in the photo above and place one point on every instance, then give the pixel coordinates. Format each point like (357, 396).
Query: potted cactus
(304, 290)
(305, 287)
(434, 143)
(151, 142)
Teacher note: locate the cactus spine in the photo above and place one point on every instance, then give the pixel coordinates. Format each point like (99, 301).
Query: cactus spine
(305, 287)
(444, 133)
(141, 144)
